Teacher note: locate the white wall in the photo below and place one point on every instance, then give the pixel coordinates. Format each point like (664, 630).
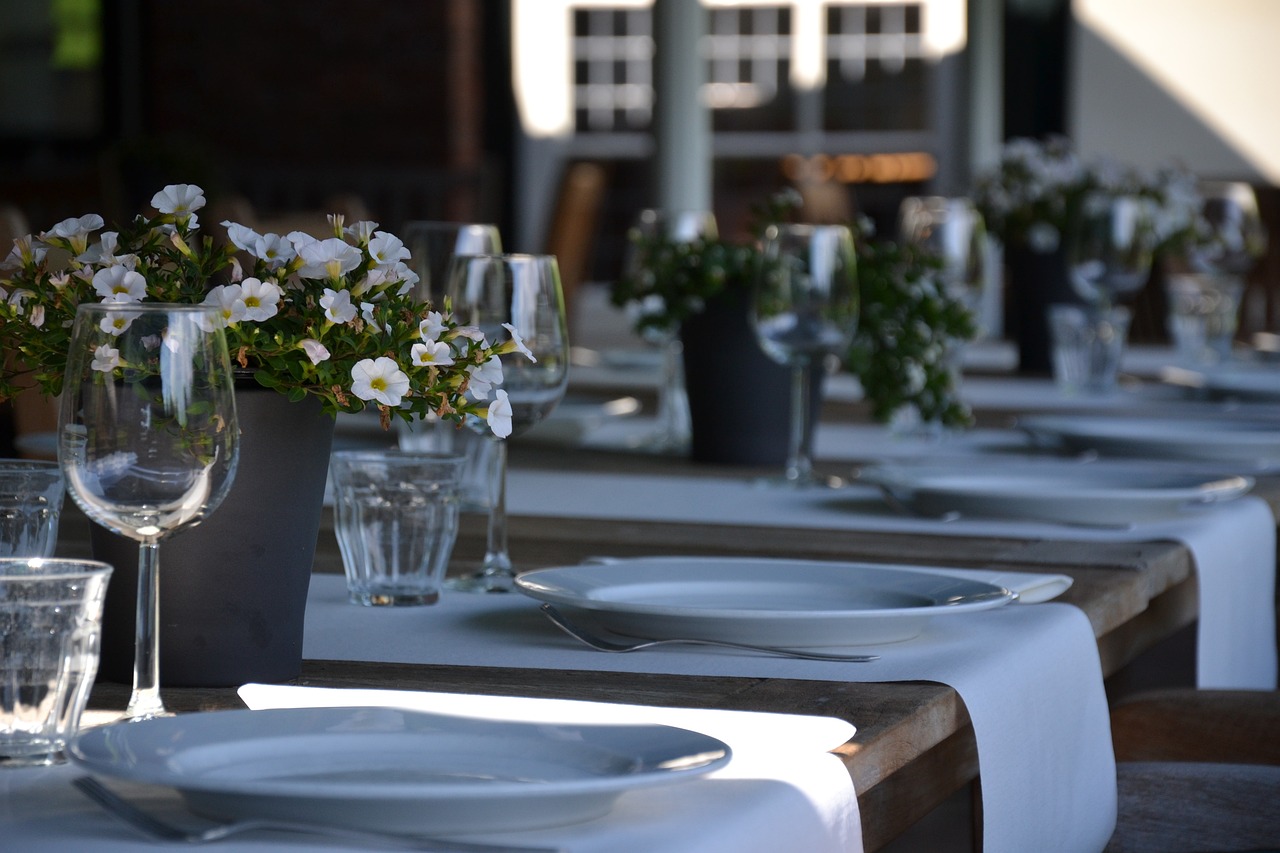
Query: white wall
(1189, 81)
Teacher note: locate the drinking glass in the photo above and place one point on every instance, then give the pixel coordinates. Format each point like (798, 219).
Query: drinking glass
(148, 440)
(805, 308)
(524, 292)
(951, 230)
(1109, 246)
(682, 226)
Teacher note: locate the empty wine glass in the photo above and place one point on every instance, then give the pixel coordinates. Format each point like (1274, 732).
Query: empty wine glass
(805, 308)
(520, 293)
(432, 246)
(684, 226)
(1205, 282)
(148, 440)
(1110, 244)
(951, 230)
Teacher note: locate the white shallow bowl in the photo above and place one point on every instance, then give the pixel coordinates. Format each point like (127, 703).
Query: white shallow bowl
(786, 603)
(397, 770)
(1070, 493)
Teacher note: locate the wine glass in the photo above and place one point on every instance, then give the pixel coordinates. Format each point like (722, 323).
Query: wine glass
(951, 230)
(1110, 244)
(1205, 283)
(805, 308)
(683, 226)
(490, 292)
(432, 246)
(148, 440)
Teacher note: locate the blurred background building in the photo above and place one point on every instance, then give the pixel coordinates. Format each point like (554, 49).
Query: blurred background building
(508, 110)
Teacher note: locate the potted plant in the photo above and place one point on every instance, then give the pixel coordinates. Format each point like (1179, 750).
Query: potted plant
(317, 326)
(906, 325)
(1028, 200)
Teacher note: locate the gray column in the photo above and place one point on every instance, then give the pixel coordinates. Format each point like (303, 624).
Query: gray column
(681, 121)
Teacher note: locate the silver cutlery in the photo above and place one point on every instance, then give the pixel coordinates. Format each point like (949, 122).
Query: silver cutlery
(162, 830)
(629, 645)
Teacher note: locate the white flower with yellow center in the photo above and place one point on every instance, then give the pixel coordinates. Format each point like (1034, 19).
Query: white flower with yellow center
(75, 231)
(117, 322)
(229, 302)
(119, 284)
(432, 327)
(387, 250)
(519, 342)
(432, 353)
(380, 380)
(261, 299)
(331, 258)
(483, 377)
(337, 306)
(179, 200)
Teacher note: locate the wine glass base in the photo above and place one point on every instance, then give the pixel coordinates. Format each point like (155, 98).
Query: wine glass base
(807, 481)
(482, 582)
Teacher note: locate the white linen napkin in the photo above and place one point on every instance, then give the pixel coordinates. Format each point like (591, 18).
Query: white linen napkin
(1233, 543)
(781, 790)
(1029, 677)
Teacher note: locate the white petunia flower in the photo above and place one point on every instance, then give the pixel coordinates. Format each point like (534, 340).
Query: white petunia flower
(519, 342)
(105, 359)
(379, 379)
(331, 258)
(499, 415)
(229, 302)
(36, 317)
(366, 313)
(315, 350)
(387, 250)
(117, 322)
(361, 231)
(299, 239)
(242, 237)
(407, 277)
(433, 327)
(432, 353)
(75, 231)
(337, 306)
(179, 200)
(119, 284)
(274, 249)
(261, 299)
(25, 251)
(482, 377)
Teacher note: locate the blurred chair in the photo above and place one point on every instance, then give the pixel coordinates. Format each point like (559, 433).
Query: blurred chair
(571, 237)
(1198, 772)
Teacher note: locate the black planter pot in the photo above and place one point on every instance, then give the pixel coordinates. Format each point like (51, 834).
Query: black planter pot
(1034, 281)
(233, 590)
(739, 398)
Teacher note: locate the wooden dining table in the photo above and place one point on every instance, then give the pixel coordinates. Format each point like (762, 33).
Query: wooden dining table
(914, 747)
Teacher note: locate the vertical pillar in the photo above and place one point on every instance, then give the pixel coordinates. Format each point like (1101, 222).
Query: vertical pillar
(681, 120)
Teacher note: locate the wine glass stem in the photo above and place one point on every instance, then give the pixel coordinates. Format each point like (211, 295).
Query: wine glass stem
(800, 454)
(496, 568)
(672, 409)
(145, 699)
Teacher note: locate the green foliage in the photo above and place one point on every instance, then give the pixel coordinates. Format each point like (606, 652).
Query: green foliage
(908, 325)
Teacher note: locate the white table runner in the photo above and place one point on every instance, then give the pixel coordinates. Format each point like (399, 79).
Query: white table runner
(782, 790)
(1028, 674)
(1233, 544)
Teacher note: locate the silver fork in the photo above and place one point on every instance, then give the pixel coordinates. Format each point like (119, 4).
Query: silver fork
(621, 645)
(162, 830)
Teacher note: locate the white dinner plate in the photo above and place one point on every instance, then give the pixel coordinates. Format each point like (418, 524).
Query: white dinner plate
(797, 603)
(1070, 493)
(1252, 442)
(391, 769)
